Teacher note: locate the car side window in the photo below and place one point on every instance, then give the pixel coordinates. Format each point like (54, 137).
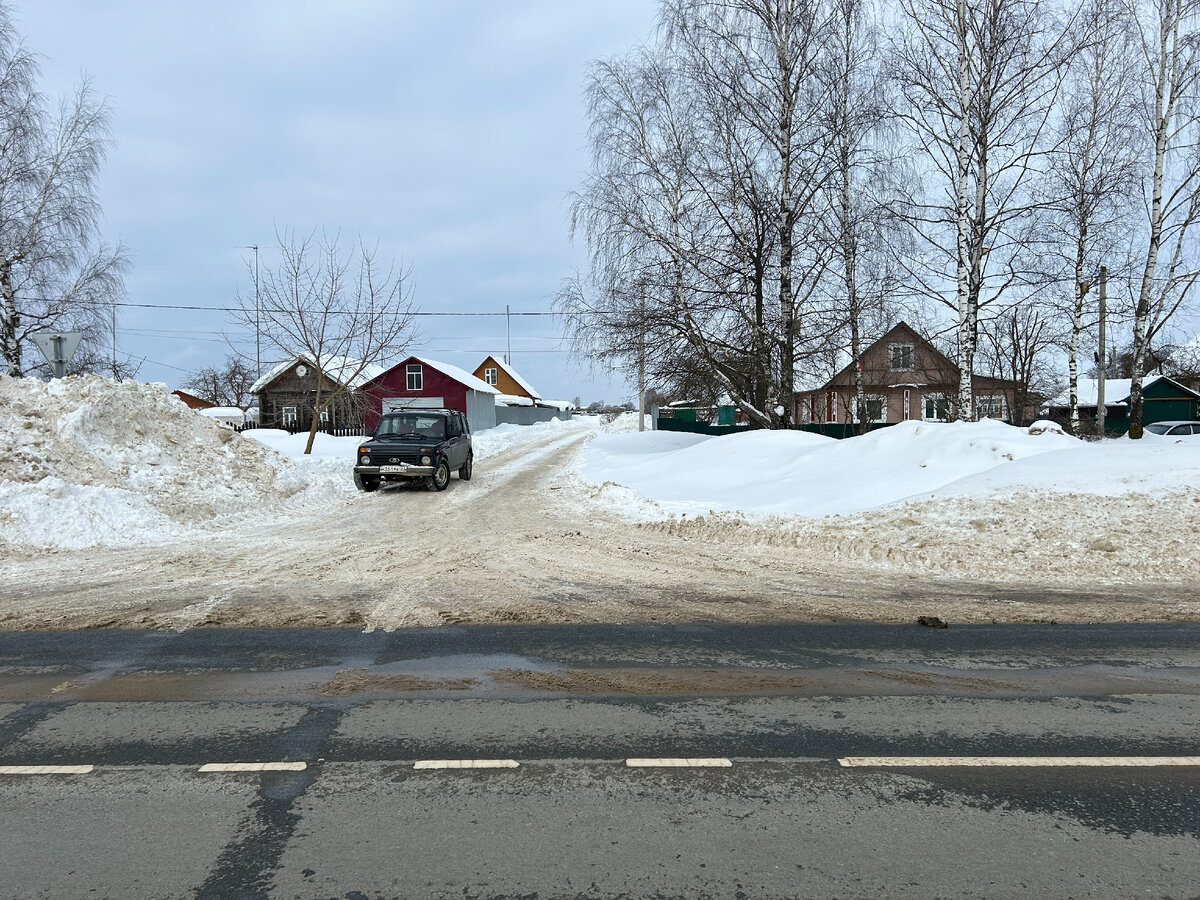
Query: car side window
(452, 427)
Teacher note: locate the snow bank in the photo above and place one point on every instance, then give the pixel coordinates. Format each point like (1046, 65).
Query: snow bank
(86, 461)
(795, 473)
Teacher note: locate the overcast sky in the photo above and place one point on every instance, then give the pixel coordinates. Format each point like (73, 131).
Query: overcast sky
(450, 132)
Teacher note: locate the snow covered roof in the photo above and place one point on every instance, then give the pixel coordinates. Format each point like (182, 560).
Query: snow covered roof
(338, 368)
(513, 400)
(460, 375)
(222, 412)
(515, 376)
(1115, 391)
(557, 404)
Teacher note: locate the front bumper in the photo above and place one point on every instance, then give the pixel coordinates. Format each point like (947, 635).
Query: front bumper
(402, 470)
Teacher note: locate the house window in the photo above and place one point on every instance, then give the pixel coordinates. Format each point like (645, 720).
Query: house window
(325, 416)
(413, 379)
(875, 408)
(489, 375)
(904, 409)
(935, 408)
(831, 402)
(990, 407)
(901, 357)
(289, 416)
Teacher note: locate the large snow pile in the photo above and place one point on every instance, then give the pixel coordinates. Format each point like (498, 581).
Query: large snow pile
(795, 473)
(87, 461)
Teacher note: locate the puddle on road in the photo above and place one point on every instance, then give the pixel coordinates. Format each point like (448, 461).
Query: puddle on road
(516, 677)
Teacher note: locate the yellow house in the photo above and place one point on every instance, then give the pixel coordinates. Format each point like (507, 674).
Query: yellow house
(505, 379)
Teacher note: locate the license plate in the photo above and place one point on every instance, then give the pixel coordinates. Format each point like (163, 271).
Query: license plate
(393, 470)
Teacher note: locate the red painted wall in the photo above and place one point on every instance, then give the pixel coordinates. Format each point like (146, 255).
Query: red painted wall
(393, 383)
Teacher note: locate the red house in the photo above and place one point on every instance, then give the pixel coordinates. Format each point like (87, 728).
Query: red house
(419, 383)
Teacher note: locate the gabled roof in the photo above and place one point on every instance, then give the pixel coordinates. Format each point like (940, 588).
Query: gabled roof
(336, 368)
(515, 376)
(900, 329)
(460, 375)
(1116, 391)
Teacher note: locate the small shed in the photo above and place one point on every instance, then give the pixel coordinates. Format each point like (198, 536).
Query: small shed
(1163, 400)
(420, 383)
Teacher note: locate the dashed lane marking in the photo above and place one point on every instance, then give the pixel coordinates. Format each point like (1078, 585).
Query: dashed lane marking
(465, 764)
(255, 767)
(45, 770)
(680, 762)
(1032, 761)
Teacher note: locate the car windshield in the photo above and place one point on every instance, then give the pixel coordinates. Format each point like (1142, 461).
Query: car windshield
(411, 426)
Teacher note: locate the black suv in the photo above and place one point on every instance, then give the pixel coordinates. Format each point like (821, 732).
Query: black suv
(416, 443)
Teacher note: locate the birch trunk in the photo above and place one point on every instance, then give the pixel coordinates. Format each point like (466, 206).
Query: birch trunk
(10, 347)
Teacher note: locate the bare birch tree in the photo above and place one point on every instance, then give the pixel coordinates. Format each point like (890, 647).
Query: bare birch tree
(55, 273)
(344, 312)
(1170, 74)
(979, 80)
(1092, 174)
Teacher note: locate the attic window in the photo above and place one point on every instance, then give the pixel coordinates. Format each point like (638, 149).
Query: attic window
(901, 357)
(489, 375)
(412, 375)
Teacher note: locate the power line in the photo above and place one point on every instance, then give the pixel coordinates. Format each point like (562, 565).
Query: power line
(239, 309)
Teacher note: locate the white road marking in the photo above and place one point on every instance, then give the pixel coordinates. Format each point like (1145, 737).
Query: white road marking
(45, 770)
(680, 762)
(465, 764)
(980, 761)
(255, 767)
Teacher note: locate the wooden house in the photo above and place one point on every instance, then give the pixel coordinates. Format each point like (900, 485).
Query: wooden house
(287, 394)
(419, 383)
(905, 377)
(505, 379)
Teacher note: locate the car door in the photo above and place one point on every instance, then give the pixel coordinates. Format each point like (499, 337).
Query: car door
(456, 449)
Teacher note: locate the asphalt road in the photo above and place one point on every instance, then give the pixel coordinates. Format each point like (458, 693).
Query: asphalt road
(350, 719)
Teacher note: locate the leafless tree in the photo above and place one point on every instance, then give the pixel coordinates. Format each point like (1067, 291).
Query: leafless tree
(1092, 175)
(979, 79)
(856, 215)
(1169, 61)
(228, 385)
(344, 312)
(700, 209)
(1017, 344)
(55, 273)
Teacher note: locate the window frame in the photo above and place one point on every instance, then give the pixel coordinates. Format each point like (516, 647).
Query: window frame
(912, 357)
(991, 399)
(289, 415)
(491, 376)
(935, 397)
(414, 377)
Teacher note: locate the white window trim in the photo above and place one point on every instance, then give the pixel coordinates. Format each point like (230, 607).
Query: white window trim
(925, 398)
(912, 352)
(990, 397)
(831, 407)
(289, 415)
(489, 376)
(414, 377)
(883, 411)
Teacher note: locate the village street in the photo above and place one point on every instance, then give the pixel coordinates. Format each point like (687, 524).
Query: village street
(523, 543)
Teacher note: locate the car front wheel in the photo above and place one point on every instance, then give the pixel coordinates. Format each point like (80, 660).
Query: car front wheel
(365, 483)
(440, 478)
(464, 474)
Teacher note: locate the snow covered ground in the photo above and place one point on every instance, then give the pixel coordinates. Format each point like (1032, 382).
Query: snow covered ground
(578, 521)
(86, 462)
(657, 474)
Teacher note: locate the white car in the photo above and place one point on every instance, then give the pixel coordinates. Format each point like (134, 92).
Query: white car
(1174, 429)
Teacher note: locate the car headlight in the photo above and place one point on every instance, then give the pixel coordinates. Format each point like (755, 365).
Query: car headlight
(425, 460)
(366, 459)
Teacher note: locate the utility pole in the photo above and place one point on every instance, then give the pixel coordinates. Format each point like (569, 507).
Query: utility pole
(257, 329)
(114, 340)
(642, 365)
(1101, 362)
(508, 325)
